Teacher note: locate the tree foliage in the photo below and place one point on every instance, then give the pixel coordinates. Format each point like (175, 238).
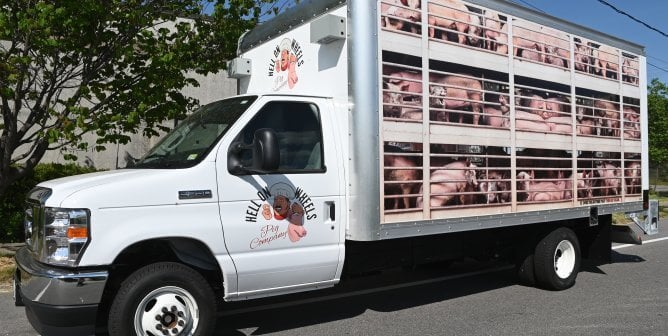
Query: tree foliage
(657, 104)
(12, 202)
(108, 68)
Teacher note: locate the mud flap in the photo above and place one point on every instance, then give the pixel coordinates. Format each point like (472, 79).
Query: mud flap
(595, 241)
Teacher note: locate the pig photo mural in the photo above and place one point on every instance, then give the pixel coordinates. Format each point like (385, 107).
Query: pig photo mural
(453, 21)
(401, 15)
(543, 175)
(460, 23)
(632, 173)
(600, 114)
(602, 176)
(597, 59)
(630, 69)
(540, 44)
(631, 119)
(457, 94)
(402, 92)
(448, 21)
(542, 111)
(460, 176)
(464, 134)
(403, 177)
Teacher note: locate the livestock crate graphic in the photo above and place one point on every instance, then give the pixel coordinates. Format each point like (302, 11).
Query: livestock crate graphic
(475, 123)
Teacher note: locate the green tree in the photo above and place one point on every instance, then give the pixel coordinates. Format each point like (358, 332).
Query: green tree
(108, 68)
(657, 104)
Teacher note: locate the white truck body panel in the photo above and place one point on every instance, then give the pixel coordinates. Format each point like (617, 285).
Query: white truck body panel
(319, 70)
(130, 206)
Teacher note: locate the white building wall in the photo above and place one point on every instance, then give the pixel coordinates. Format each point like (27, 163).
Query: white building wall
(212, 88)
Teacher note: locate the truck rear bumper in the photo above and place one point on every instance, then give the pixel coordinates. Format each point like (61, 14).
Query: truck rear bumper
(58, 301)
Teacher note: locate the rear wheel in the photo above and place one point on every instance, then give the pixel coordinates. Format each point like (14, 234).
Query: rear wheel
(557, 259)
(163, 299)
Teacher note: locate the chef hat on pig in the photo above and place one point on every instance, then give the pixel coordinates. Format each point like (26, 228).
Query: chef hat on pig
(282, 189)
(285, 44)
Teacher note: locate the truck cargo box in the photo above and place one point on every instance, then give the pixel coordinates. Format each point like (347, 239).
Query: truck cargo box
(496, 114)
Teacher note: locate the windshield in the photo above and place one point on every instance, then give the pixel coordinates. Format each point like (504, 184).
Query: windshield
(194, 137)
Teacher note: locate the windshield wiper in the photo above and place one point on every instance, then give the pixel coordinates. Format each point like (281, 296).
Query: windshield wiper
(154, 156)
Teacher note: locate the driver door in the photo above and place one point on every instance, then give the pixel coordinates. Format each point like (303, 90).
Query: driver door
(282, 228)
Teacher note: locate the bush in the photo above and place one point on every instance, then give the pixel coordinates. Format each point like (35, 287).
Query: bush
(12, 203)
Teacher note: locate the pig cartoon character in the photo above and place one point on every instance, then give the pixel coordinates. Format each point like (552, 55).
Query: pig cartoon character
(285, 207)
(266, 211)
(281, 207)
(296, 230)
(287, 64)
(282, 193)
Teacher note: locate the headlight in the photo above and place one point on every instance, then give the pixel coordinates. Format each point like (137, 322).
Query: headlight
(65, 235)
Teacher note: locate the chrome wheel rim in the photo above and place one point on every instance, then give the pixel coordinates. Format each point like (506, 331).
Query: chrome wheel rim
(564, 259)
(167, 311)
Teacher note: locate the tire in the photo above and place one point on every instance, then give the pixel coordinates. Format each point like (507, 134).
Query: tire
(557, 260)
(161, 298)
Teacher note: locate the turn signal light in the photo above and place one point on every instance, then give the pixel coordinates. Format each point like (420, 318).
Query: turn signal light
(77, 232)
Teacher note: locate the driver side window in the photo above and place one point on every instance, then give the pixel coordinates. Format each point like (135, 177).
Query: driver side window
(298, 128)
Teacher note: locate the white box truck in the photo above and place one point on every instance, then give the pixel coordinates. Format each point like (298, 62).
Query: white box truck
(367, 135)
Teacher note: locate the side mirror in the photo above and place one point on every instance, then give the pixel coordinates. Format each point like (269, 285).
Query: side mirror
(266, 156)
(264, 150)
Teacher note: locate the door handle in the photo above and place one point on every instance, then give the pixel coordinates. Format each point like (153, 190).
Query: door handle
(330, 210)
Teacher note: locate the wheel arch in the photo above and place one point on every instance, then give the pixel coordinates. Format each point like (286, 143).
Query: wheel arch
(188, 251)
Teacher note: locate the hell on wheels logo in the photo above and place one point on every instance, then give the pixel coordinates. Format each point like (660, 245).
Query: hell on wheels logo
(287, 58)
(279, 205)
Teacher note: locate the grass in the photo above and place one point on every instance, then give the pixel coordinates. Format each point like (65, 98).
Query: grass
(663, 200)
(619, 218)
(6, 272)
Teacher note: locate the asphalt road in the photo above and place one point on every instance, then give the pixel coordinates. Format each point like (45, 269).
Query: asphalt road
(626, 297)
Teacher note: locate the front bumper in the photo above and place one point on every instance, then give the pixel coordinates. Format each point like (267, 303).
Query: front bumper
(58, 301)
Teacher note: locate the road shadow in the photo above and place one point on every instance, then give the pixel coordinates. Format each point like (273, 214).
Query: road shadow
(616, 258)
(403, 290)
(619, 258)
(356, 296)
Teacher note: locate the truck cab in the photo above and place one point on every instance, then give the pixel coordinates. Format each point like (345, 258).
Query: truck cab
(254, 183)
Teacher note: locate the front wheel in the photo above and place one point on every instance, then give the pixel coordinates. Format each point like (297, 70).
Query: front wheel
(557, 259)
(163, 299)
